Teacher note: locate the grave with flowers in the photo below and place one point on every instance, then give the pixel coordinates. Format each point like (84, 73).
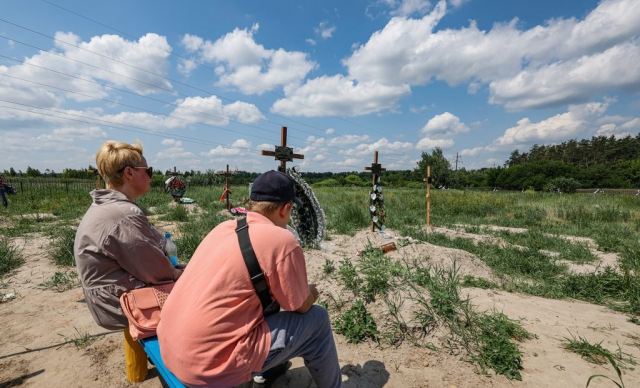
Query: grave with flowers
(376, 198)
(175, 186)
(309, 219)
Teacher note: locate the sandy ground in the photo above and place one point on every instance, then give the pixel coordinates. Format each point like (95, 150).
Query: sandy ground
(37, 322)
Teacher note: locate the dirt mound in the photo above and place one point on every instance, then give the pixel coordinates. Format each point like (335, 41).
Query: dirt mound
(34, 351)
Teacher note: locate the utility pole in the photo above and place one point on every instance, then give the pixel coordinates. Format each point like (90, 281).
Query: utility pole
(458, 159)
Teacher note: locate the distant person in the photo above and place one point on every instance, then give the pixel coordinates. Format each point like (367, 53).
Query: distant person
(5, 203)
(116, 249)
(213, 331)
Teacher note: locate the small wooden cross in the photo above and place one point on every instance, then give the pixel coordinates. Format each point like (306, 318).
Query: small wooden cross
(226, 192)
(175, 173)
(283, 153)
(376, 169)
(428, 181)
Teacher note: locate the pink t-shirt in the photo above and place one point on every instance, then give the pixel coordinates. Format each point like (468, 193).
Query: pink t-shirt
(212, 332)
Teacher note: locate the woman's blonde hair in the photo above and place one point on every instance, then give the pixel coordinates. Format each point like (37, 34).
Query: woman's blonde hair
(266, 207)
(113, 156)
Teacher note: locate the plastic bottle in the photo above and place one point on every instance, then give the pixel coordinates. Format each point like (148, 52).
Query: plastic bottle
(172, 250)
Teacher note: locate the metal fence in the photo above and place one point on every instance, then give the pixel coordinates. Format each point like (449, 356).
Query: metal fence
(50, 185)
(38, 186)
(610, 191)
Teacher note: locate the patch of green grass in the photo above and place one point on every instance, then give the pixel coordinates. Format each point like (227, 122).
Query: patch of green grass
(80, 340)
(356, 324)
(62, 240)
(377, 270)
(346, 209)
(176, 213)
(496, 348)
(349, 276)
(487, 338)
(535, 239)
(62, 281)
(509, 261)
(10, 257)
(328, 267)
(472, 281)
(193, 232)
(595, 353)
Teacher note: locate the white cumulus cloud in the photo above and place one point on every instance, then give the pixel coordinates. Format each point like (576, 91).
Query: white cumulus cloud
(445, 124)
(244, 64)
(339, 95)
(427, 143)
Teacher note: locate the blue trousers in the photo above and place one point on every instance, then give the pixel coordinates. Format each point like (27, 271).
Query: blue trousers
(308, 336)
(4, 198)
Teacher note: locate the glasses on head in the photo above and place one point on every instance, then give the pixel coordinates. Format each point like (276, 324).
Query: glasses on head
(149, 170)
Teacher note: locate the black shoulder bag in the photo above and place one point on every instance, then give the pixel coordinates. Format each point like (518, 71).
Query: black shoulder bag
(255, 272)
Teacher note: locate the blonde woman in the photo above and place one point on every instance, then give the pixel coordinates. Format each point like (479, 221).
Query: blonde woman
(116, 249)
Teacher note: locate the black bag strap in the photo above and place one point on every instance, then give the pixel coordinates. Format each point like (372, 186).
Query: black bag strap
(251, 261)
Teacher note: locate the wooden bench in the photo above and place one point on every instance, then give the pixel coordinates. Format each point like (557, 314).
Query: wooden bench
(152, 348)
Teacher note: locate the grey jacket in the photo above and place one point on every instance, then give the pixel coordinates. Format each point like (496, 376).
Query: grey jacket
(116, 250)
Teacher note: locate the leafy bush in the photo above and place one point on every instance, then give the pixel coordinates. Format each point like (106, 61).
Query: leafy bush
(565, 185)
(349, 275)
(327, 183)
(356, 324)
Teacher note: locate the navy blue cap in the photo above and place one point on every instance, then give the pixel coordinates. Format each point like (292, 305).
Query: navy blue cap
(274, 186)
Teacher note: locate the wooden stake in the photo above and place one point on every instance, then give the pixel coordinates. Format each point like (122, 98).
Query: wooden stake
(429, 197)
(226, 188)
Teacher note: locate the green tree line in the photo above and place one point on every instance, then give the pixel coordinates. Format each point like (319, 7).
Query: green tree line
(599, 162)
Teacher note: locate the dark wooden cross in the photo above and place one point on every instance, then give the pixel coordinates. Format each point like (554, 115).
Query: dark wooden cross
(226, 193)
(175, 173)
(376, 169)
(283, 153)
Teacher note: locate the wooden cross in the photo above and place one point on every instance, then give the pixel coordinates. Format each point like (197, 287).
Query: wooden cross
(226, 193)
(376, 169)
(175, 173)
(428, 180)
(283, 153)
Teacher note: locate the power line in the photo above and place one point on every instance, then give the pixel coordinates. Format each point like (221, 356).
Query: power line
(210, 68)
(149, 131)
(142, 130)
(134, 67)
(134, 107)
(137, 80)
(142, 109)
(133, 93)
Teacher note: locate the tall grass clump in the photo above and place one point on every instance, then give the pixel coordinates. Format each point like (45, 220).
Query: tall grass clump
(346, 209)
(10, 257)
(488, 338)
(595, 213)
(378, 271)
(194, 231)
(62, 242)
(176, 213)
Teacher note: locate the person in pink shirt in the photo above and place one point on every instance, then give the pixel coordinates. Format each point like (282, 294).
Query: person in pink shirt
(213, 331)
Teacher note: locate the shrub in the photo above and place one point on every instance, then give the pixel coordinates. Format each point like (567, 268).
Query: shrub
(357, 324)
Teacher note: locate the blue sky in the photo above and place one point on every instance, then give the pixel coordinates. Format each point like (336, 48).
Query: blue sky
(204, 84)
